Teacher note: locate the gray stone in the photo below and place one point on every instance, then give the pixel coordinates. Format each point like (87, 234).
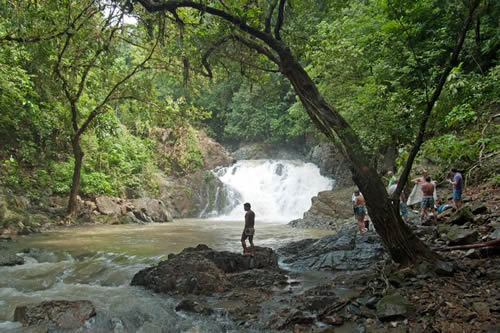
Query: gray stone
(332, 164)
(478, 207)
(461, 216)
(495, 234)
(345, 250)
(443, 268)
(192, 306)
(393, 306)
(151, 210)
(10, 259)
(459, 236)
(330, 209)
(203, 271)
(108, 205)
(55, 314)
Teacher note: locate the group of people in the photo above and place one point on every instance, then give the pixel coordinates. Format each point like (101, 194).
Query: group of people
(424, 194)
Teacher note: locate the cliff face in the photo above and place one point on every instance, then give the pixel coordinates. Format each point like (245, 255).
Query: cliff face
(188, 195)
(331, 164)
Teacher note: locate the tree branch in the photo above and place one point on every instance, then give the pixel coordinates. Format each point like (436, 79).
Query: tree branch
(492, 243)
(172, 5)
(269, 16)
(259, 48)
(279, 22)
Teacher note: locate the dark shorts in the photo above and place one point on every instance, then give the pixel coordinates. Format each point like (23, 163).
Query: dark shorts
(457, 195)
(427, 201)
(403, 209)
(359, 210)
(247, 233)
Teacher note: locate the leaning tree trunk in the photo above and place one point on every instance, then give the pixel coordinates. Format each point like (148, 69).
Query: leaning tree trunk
(403, 246)
(75, 185)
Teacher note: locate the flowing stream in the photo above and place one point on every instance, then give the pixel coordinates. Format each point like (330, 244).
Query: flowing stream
(97, 263)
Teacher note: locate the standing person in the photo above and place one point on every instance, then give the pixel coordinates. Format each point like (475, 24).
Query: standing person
(457, 182)
(360, 210)
(391, 177)
(248, 231)
(422, 178)
(403, 209)
(416, 194)
(427, 200)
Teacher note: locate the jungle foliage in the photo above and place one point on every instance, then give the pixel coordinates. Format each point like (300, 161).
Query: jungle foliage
(375, 61)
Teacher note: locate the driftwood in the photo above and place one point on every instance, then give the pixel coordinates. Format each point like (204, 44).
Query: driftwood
(495, 242)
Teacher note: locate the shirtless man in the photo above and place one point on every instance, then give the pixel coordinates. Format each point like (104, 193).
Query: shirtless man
(359, 210)
(428, 200)
(421, 179)
(248, 231)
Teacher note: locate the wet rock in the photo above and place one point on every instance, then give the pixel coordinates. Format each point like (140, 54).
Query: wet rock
(258, 278)
(393, 306)
(201, 270)
(10, 259)
(443, 268)
(478, 207)
(495, 234)
(192, 306)
(55, 314)
(342, 251)
(461, 216)
(459, 236)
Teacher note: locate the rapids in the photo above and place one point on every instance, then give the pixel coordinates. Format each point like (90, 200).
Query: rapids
(98, 262)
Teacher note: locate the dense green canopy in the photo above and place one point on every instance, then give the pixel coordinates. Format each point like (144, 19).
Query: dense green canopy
(375, 61)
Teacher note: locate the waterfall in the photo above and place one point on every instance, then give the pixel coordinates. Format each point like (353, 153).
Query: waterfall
(278, 190)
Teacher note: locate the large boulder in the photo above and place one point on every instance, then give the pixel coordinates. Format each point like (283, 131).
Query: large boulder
(153, 208)
(201, 270)
(55, 314)
(329, 210)
(345, 250)
(109, 205)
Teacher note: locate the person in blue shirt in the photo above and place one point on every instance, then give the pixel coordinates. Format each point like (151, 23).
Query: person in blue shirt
(457, 182)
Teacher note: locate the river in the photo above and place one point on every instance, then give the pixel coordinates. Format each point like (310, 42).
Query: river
(97, 263)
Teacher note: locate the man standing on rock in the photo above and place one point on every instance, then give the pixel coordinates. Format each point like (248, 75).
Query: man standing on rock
(427, 200)
(248, 231)
(457, 182)
(359, 210)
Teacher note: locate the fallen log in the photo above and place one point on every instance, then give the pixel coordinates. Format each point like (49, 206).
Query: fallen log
(493, 243)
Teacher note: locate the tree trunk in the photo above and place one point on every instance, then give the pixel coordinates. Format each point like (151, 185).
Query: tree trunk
(403, 246)
(75, 186)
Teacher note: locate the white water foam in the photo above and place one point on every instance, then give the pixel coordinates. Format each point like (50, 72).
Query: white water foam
(278, 190)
